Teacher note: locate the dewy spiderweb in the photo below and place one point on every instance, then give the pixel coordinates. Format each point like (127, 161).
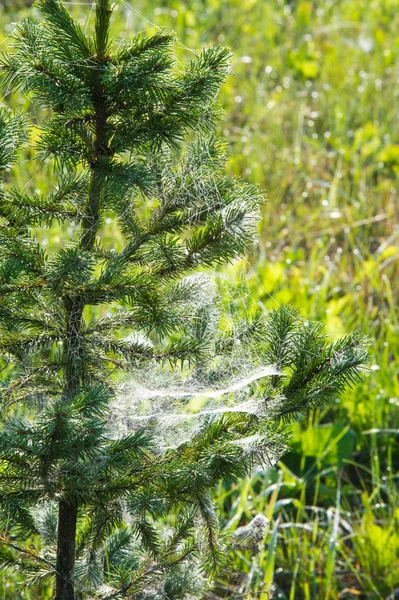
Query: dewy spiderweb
(174, 404)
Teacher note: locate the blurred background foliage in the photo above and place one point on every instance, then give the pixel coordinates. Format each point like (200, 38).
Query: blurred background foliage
(311, 116)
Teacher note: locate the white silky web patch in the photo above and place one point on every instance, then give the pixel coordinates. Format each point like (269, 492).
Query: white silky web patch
(174, 403)
(238, 385)
(175, 411)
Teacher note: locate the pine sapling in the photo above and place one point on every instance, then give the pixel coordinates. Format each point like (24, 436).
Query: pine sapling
(105, 512)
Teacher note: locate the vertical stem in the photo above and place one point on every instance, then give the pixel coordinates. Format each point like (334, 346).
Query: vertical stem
(74, 368)
(72, 348)
(103, 16)
(68, 509)
(91, 219)
(67, 520)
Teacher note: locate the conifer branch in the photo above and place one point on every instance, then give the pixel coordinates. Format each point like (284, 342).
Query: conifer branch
(27, 551)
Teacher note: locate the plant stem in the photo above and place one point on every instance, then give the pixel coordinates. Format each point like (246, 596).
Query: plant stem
(74, 371)
(92, 216)
(67, 521)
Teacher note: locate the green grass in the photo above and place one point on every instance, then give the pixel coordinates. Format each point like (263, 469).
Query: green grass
(311, 115)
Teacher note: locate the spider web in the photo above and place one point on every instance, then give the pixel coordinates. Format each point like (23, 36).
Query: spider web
(174, 403)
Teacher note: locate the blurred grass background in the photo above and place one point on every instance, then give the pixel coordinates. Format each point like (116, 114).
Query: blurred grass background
(311, 116)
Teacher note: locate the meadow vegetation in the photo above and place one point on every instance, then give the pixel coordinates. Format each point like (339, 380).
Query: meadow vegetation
(311, 116)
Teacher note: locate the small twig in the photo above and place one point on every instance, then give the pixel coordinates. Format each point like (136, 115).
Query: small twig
(127, 587)
(27, 551)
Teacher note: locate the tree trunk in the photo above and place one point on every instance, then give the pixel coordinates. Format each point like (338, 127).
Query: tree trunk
(67, 520)
(74, 369)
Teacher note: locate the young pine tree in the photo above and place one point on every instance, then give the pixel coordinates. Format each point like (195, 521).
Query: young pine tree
(132, 137)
